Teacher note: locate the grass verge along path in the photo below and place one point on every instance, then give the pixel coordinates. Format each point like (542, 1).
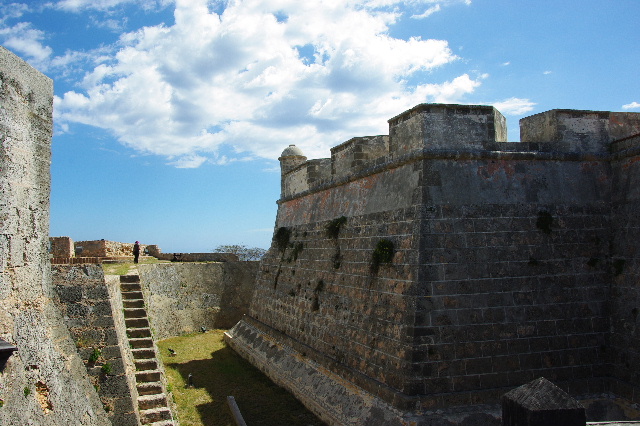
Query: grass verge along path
(219, 372)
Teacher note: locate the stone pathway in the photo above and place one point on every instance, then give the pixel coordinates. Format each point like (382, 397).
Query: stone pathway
(153, 404)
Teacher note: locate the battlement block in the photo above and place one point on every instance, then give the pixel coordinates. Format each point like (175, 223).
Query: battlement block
(445, 127)
(357, 153)
(318, 170)
(579, 131)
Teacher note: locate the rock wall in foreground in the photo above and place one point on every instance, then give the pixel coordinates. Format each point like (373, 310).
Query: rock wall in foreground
(44, 382)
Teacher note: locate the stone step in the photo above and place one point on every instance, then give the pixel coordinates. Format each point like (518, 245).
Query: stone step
(144, 342)
(162, 423)
(149, 364)
(126, 287)
(147, 402)
(134, 313)
(143, 353)
(147, 376)
(149, 388)
(129, 278)
(130, 295)
(136, 322)
(133, 303)
(138, 332)
(154, 415)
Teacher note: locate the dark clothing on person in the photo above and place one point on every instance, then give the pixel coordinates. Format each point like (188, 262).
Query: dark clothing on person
(136, 252)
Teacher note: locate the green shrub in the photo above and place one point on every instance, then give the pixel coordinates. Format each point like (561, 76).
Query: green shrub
(333, 227)
(95, 355)
(282, 237)
(383, 254)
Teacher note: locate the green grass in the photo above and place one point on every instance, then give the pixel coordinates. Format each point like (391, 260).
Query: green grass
(123, 268)
(219, 372)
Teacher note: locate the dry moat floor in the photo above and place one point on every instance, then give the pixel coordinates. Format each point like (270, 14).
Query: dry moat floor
(219, 372)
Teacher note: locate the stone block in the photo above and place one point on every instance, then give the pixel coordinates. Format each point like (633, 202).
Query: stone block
(541, 403)
(69, 294)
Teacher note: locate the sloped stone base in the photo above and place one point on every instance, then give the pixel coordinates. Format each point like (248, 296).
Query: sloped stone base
(333, 399)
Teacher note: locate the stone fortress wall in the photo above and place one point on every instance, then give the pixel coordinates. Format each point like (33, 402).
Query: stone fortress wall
(416, 275)
(44, 382)
(82, 296)
(183, 297)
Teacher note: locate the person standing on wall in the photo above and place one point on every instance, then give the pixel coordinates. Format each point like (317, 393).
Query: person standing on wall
(136, 251)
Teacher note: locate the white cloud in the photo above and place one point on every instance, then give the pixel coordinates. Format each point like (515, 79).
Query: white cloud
(239, 79)
(26, 41)
(188, 162)
(12, 11)
(514, 106)
(430, 11)
(80, 5)
(506, 64)
(547, 72)
(632, 105)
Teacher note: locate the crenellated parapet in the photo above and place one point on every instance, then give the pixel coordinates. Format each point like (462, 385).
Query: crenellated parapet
(458, 131)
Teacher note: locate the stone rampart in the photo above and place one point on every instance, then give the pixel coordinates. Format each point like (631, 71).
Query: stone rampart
(182, 297)
(452, 266)
(61, 247)
(84, 301)
(104, 248)
(197, 257)
(44, 382)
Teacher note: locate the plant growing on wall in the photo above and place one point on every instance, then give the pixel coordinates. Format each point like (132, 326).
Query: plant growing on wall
(95, 355)
(106, 368)
(383, 254)
(315, 304)
(333, 231)
(333, 227)
(282, 237)
(544, 222)
(297, 248)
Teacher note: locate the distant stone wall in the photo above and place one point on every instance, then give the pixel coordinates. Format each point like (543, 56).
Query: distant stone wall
(44, 382)
(103, 248)
(83, 299)
(197, 257)
(61, 247)
(182, 297)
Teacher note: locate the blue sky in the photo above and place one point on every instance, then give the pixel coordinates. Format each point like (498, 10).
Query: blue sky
(170, 115)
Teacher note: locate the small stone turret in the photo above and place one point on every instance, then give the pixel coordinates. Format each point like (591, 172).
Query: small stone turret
(291, 158)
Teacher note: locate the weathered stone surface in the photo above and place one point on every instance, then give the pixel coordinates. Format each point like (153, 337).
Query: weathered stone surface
(502, 267)
(44, 382)
(85, 304)
(184, 297)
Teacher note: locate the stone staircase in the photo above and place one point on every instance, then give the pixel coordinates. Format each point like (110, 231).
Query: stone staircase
(153, 404)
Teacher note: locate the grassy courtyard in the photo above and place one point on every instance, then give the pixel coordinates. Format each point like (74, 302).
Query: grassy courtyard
(219, 372)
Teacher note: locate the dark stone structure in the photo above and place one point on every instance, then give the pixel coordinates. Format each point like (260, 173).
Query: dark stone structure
(415, 276)
(541, 403)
